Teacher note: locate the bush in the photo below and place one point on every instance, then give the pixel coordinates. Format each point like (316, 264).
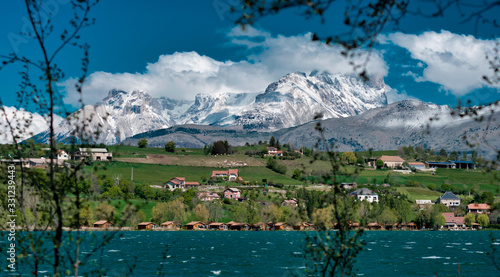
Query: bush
(170, 147)
(143, 143)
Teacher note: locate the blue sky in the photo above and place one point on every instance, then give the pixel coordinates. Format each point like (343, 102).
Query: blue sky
(177, 49)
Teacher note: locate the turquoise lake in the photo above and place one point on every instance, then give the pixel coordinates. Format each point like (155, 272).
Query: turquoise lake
(231, 253)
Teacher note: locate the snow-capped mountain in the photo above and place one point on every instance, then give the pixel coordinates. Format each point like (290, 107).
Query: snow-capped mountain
(291, 101)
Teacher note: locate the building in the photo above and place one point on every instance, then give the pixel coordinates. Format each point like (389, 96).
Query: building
(95, 154)
(303, 226)
(365, 194)
(180, 183)
(146, 226)
(272, 151)
(454, 222)
(217, 226)
(417, 165)
(348, 185)
(208, 196)
(289, 203)
(194, 225)
(103, 224)
(439, 165)
(478, 208)
(44, 163)
(231, 174)
(232, 193)
(464, 164)
(62, 155)
(448, 199)
(169, 225)
(392, 161)
(422, 203)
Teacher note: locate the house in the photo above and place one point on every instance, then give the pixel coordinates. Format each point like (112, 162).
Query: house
(365, 194)
(195, 225)
(392, 161)
(231, 174)
(146, 226)
(217, 226)
(208, 196)
(453, 222)
(95, 154)
(103, 224)
(464, 164)
(180, 183)
(449, 199)
(272, 151)
(374, 226)
(260, 226)
(43, 162)
(304, 226)
(232, 193)
(439, 165)
(169, 225)
(417, 165)
(233, 225)
(62, 155)
(478, 208)
(289, 203)
(278, 226)
(422, 203)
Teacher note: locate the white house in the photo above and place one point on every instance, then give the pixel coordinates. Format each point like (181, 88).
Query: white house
(365, 194)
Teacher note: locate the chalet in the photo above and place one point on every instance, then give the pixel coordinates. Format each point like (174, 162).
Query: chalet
(208, 196)
(464, 164)
(449, 199)
(365, 194)
(304, 226)
(231, 174)
(146, 226)
(478, 208)
(232, 193)
(103, 224)
(217, 226)
(417, 165)
(453, 222)
(374, 226)
(169, 225)
(260, 226)
(439, 165)
(278, 226)
(180, 183)
(392, 161)
(195, 225)
(95, 154)
(272, 151)
(289, 203)
(238, 226)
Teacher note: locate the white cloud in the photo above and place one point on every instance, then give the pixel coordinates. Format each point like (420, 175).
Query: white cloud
(394, 95)
(182, 75)
(456, 62)
(24, 124)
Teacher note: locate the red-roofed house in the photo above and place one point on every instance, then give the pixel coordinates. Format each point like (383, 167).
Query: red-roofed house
(454, 222)
(231, 174)
(232, 193)
(392, 161)
(180, 183)
(478, 208)
(272, 151)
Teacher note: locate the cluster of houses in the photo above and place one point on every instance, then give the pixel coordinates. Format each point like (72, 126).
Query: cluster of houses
(396, 161)
(62, 157)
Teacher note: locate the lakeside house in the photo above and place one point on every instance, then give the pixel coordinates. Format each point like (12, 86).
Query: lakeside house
(392, 161)
(195, 225)
(95, 154)
(454, 222)
(374, 226)
(208, 196)
(232, 193)
(103, 224)
(217, 226)
(180, 183)
(273, 151)
(480, 208)
(260, 226)
(169, 225)
(237, 226)
(365, 194)
(146, 226)
(304, 226)
(449, 200)
(230, 174)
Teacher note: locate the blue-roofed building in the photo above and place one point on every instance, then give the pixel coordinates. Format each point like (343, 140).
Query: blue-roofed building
(464, 164)
(449, 199)
(448, 164)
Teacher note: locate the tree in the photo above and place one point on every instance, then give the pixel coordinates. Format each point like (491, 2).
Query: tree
(142, 143)
(296, 174)
(483, 220)
(272, 141)
(379, 164)
(170, 147)
(388, 216)
(201, 213)
(469, 219)
(106, 211)
(349, 157)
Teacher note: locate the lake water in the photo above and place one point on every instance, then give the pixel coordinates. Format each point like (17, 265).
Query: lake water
(229, 253)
